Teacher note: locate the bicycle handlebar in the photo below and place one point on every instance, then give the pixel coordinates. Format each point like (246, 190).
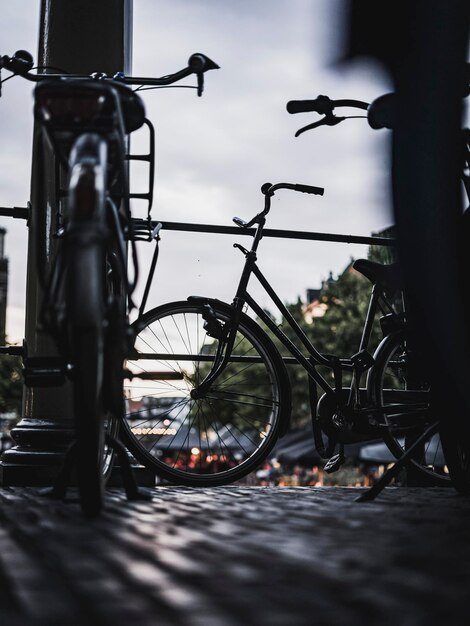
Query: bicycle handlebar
(380, 112)
(268, 190)
(323, 105)
(21, 64)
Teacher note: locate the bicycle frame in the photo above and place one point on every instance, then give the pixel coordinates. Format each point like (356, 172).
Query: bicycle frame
(314, 358)
(126, 114)
(61, 137)
(83, 123)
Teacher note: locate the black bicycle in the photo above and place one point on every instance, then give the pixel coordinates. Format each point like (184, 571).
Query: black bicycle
(382, 113)
(233, 402)
(87, 287)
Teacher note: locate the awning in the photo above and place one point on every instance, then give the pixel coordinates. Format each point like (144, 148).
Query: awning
(379, 453)
(298, 446)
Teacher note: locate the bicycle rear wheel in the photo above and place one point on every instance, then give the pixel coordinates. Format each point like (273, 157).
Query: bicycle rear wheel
(217, 437)
(85, 290)
(406, 413)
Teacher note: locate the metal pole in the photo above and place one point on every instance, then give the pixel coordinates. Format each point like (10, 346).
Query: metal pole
(3, 286)
(79, 37)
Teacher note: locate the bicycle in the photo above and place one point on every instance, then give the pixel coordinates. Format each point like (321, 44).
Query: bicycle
(431, 76)
(382, 113)
(87, 287)
(234, 400)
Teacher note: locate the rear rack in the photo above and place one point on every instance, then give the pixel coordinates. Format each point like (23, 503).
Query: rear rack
(150, 159)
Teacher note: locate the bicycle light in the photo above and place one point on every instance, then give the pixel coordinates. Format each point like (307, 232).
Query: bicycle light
(63, 107)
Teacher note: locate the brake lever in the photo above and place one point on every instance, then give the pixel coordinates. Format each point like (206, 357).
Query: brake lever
(328, 120)
(200, 83)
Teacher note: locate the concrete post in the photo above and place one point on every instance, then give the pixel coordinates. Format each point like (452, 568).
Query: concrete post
(77, 36)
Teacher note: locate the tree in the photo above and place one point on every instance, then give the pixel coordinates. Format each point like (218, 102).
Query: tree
(343, 302)
(11, 384)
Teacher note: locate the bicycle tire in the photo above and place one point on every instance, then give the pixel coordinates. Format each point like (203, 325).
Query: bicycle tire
(89, 422)
(114, 349)
(85, 290)
(223, 436)
(457, 454)
(405, 416)
(110, 419)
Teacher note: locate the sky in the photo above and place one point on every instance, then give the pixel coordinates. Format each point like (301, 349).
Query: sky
(214, 153)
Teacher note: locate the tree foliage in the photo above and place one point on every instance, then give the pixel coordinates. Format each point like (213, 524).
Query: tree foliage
(344, 302)
(11, 384)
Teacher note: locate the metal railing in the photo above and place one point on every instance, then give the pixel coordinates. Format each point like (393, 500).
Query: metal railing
(23, 213)
(269, 232)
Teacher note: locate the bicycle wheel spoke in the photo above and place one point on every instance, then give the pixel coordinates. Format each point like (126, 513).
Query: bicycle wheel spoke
(217, 434)
(407, 414)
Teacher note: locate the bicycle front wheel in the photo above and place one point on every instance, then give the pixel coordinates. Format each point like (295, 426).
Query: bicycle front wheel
(86, 340)
(221, 435)
(89, 419)
(85, 288)
(406, 412)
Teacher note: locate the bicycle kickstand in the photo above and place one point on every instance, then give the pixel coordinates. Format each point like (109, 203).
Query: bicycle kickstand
(133, 491)
(393, 471)
(62, 481)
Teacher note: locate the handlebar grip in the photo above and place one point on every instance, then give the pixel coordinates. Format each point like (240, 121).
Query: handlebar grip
(20, 63)
(321, 104)
(239, 222)
(199, 63)
(300, 106)
(381, 112)
(318, 191)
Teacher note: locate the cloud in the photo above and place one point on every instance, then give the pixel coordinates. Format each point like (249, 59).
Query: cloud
(213, 153)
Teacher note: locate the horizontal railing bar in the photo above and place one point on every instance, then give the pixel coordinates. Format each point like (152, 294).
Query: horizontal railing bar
(270, 232)
(17, 212)
(23, 213)
(154, 356)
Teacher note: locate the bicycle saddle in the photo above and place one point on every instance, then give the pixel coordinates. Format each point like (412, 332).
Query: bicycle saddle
(387, 276)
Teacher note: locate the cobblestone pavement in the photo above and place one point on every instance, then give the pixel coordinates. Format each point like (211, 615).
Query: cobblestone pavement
(232, 556)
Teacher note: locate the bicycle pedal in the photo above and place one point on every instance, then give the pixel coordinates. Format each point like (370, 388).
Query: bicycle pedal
(153, 375)
(334, 463)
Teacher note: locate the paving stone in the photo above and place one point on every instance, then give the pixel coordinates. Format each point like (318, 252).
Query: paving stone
(233, 556)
